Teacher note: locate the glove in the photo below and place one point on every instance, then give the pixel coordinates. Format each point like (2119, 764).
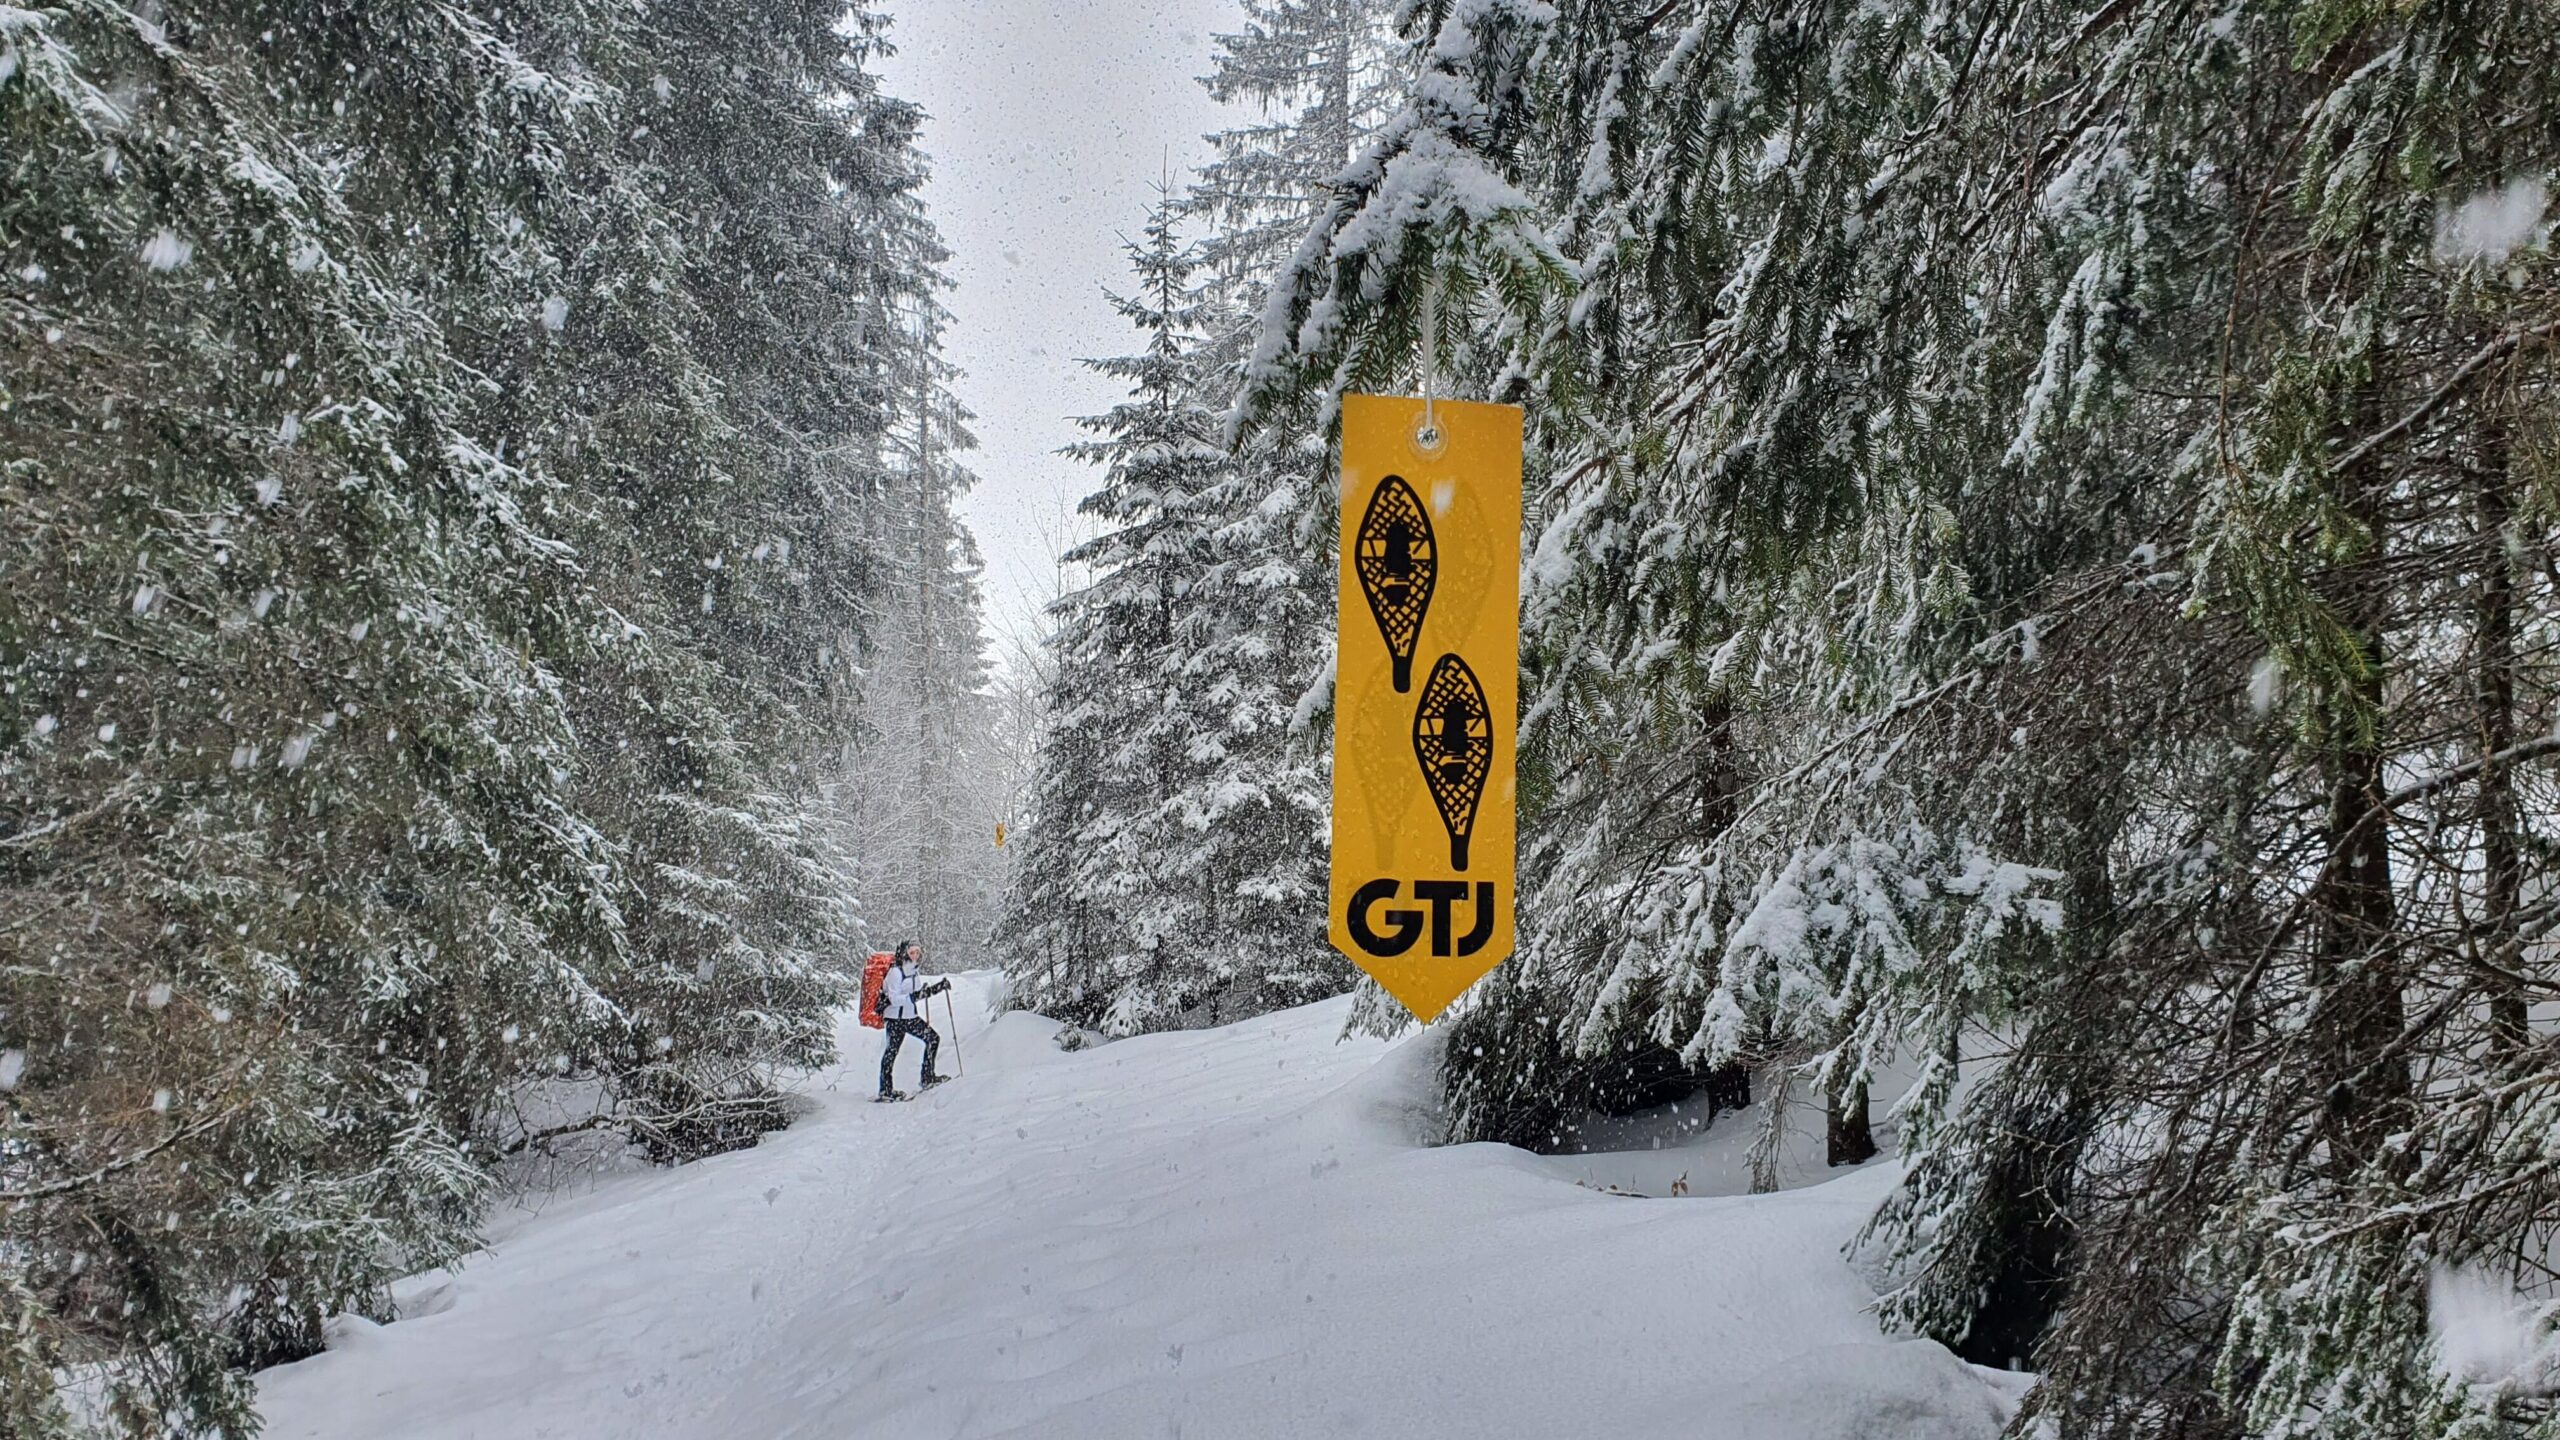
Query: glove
(937, 987)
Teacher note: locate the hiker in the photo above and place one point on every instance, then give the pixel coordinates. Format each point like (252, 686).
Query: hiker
(900, 996)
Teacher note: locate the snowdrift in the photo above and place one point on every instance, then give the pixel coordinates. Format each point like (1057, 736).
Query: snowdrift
(1225, 1233)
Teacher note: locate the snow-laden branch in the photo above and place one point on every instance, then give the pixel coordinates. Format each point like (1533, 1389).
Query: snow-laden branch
(2445, 394)
(61, 823)
(1433, 174)
(70, 1183)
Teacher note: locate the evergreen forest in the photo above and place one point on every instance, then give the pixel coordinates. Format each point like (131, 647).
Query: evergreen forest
(2039, 648)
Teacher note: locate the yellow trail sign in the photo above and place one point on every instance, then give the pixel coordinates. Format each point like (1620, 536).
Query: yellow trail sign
(1426, 695)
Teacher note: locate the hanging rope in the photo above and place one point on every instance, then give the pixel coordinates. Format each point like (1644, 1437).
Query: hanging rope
(1428, 437)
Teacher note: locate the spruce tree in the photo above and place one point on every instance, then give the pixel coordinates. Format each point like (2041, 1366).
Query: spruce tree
(741, 511)
(447, 442)
(1162, 880)
(293, 878)
(2076, 441)
(1322, 75)
(919, 803)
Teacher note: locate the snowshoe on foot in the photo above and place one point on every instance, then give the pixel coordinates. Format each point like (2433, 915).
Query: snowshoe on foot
(932, 1080)
(890, 1097)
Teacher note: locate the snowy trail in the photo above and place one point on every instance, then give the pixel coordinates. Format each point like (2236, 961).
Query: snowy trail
(1222, 1233)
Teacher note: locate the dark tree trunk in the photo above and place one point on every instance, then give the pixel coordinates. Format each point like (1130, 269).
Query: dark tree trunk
(2500, 853)
(1851, 1137)
(1728, 1089)
(2355, 960)
(273, 1328)
(2027, 1249)
(2031, 1243)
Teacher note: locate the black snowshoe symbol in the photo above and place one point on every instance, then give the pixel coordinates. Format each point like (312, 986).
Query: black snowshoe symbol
(1398, 560)
(1453, 738)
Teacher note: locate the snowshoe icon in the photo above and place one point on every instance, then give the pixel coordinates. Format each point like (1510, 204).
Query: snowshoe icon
(1453, 741)
(1398, 562)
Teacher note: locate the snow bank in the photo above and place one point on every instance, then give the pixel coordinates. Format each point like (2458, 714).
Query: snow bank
(1227, 1233)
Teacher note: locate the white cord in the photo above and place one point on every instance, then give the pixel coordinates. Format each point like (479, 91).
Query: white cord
(1429, 436)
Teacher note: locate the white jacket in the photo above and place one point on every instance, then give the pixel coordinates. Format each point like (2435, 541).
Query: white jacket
(898, 992)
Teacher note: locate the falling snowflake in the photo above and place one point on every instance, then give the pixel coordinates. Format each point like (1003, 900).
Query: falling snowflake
(165, 251)
(2494, 224)
(2266, 683)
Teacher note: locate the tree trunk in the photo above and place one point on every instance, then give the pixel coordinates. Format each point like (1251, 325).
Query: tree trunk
(2355, 962)
(2029, 1242)
(1728, 1088)
(272, 1327)
(1345, 139)
(1851, 1138)
(2502, 863)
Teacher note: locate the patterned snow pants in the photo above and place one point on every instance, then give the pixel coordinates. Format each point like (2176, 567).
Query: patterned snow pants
(899, 1030)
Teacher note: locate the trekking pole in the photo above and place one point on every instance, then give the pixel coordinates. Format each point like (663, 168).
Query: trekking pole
(954, 1017)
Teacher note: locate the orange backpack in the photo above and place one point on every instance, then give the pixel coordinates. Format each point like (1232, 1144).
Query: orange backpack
(874, 974)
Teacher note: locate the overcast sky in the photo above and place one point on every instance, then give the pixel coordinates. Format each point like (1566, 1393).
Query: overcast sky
(1051, 122)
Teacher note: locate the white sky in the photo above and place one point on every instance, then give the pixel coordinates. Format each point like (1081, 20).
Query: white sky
(1051, 122)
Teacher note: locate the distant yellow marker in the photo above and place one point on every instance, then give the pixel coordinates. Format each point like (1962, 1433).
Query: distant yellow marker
(1424, 789)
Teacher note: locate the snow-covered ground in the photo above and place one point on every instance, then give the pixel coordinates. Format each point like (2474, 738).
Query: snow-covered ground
(1225, 1233)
